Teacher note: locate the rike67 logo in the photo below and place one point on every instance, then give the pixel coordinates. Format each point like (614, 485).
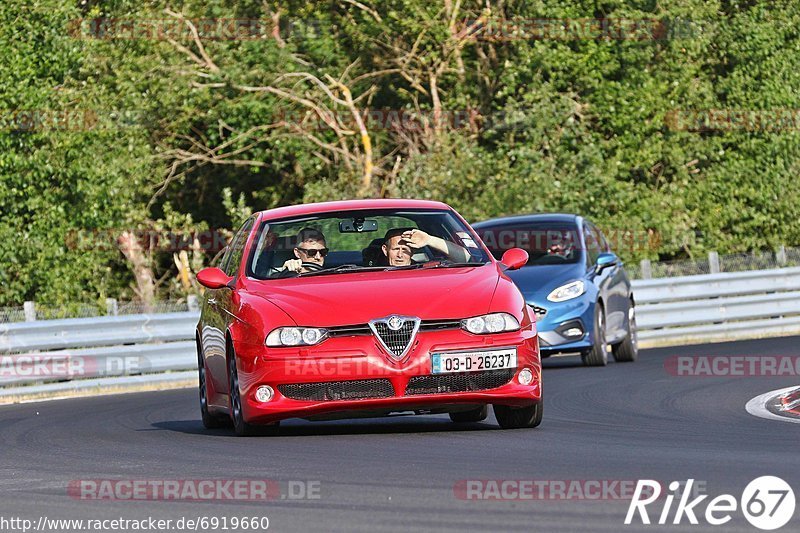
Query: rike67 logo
(767, 502)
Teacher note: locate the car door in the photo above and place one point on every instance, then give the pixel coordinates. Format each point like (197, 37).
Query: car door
(616, 291)
(620, 290)
(602, 279)
(218, 310)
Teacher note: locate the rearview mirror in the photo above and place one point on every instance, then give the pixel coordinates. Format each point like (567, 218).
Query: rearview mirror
(213, 278)
(357, 225)
(605, 260)
(515, 258)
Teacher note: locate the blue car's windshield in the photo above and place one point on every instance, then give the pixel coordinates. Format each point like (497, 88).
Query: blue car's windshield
(547, 243)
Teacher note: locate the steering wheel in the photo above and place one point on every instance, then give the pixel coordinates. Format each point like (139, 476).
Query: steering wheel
(311, 267)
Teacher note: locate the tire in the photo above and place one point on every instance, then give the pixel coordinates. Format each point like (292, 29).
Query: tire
(519, 417)
(209, 421)
(240, 427)
(478, 414)
(598, 354)
(628, 350)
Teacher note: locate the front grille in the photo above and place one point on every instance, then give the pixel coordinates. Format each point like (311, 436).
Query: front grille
(347, 331)
(438, 325)
(338, 390)
(540, 311)
(363, 329)
(395, 341)
(472, 381)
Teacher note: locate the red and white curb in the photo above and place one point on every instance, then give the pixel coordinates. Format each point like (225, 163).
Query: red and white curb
(781, 404)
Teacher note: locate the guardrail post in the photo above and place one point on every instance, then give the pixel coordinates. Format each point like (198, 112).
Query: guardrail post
(30, 311)
(647, 269)
(191, 301)
(713, 262)
(112, 307)
(780, 255)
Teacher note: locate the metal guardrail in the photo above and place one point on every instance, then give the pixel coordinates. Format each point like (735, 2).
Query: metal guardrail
(718, 307)
(670, 311)
(76, 348)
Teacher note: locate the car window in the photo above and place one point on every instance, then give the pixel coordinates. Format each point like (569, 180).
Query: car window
(236, 249)
(593, 246)
(356, 238)
(548, 242)
(604, 246)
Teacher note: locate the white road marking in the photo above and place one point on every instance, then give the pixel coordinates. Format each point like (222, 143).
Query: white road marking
(757, 406)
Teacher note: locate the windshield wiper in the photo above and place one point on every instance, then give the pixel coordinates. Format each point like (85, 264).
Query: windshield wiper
(341, 268)
(443, 263)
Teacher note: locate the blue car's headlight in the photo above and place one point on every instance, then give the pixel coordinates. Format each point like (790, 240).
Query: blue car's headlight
(567, 292)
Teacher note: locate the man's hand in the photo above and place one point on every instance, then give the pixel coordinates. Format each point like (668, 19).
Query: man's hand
(415, 238)
(293, 265)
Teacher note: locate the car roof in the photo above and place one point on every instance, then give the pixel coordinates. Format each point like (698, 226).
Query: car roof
(529, 218)
(350, 205)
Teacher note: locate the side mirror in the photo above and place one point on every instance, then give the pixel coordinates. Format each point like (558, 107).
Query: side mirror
(213, 278)
(515, 258)
(605, 260)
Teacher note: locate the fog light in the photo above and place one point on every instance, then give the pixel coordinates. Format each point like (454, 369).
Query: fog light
(573, 332)
(525, 376)
(264, 393)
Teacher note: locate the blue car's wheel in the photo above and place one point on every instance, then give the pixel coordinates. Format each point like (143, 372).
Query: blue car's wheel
(628, 350)
(597, 355)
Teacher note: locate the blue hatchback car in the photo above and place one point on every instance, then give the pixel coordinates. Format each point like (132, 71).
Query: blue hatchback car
(577, 286)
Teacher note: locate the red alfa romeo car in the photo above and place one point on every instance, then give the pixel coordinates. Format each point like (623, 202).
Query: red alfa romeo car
(362, 309)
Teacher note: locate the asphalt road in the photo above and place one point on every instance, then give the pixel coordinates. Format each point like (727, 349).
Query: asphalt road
(620, 423)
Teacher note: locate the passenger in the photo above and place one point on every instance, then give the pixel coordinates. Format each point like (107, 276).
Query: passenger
(400, 243)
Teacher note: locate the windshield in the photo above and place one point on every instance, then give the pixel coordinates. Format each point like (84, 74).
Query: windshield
(351, 241)
(547, 243)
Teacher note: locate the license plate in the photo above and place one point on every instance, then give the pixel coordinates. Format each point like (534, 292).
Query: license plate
(448, 363)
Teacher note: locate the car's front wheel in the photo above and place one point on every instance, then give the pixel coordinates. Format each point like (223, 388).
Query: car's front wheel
(597, 355)
(242, 428)
(628, 350)
(209, 421)
(519, 417)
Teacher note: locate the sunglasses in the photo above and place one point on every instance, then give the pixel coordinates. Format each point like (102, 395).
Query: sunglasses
(312, 252)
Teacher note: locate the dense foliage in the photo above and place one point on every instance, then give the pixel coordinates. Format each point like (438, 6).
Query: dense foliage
(116, 116)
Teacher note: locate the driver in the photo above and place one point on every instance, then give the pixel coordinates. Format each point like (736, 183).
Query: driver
(309, 253)
(560, 249)
(399, 245)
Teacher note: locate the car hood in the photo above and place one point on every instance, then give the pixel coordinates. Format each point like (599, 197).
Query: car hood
(357, 298)
(537, 281)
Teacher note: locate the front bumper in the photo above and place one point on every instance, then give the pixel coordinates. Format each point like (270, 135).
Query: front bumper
(406, 385)
(560, 318)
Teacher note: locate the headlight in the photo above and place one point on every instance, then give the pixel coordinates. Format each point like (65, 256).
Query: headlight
(296, 336)
(492, 323)
(567, 292)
